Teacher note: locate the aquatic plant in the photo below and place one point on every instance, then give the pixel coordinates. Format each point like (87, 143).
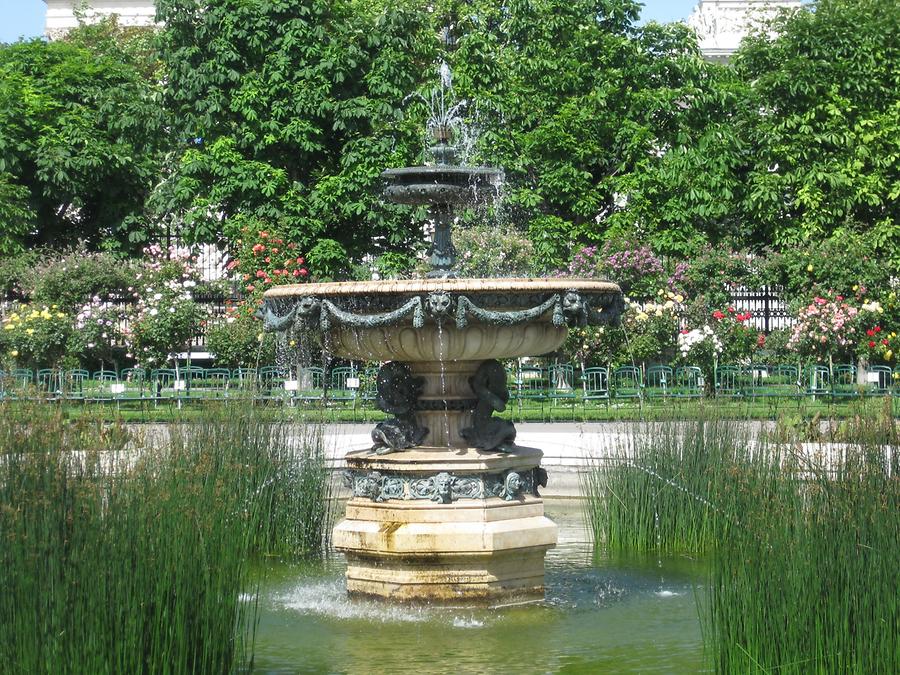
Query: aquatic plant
(808, 581)
(803, 543)
(666, 488)
(127, 553)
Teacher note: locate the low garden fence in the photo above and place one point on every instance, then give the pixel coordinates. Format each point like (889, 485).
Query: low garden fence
(555, 385)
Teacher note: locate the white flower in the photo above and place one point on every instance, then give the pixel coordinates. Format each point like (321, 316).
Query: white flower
(154, 312)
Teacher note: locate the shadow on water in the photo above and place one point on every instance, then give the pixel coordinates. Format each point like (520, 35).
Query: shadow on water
(600, 615)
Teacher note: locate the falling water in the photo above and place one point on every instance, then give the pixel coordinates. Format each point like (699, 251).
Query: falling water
(443, 372)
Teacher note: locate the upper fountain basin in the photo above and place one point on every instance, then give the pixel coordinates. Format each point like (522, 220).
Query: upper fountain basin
(440, 184)
(443, 319)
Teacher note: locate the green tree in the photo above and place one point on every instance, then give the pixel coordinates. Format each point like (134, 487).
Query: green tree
(571, 98)
(798, 139)
(828, 124)
(289, 112)
(82, 127)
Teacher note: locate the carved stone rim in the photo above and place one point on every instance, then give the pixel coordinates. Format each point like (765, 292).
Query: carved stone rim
(424, 286)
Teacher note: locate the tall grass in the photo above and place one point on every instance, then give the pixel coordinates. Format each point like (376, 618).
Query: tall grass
(130, 555)
(668, 486)
(810, 581)
(803, 542)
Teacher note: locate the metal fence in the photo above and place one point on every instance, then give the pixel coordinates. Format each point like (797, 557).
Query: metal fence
(768, 308)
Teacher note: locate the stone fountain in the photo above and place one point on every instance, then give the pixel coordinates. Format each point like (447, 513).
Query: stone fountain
(444, 506)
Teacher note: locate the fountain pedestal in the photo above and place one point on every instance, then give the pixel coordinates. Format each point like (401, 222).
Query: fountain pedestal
(439, 524)
(435, 518)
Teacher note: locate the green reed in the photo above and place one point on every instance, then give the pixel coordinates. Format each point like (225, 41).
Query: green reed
(666, 486)
(803, 541)
(809, 581)
(131, 554)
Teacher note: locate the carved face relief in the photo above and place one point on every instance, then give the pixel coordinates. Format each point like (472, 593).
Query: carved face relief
(512, 486)
(439, 304)
(443, 488)
(308, 307)
(573, 305)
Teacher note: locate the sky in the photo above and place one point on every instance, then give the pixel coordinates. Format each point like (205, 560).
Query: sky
(25, 18)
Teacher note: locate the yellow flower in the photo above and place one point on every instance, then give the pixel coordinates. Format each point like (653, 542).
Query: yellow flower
(292, 343)
(889, 355)
(60, 315)
(659, 292)
(679, 298)
(14, 353)
(260, 337)
(30, 331)
(8, 326)
(809, 268)
(54, 306)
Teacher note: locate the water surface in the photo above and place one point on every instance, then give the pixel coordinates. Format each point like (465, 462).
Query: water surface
(600, 616)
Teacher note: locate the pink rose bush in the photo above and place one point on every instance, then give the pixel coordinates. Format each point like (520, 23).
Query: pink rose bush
(826, 328)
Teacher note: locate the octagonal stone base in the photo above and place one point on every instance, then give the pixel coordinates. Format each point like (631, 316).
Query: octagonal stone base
(469, 551)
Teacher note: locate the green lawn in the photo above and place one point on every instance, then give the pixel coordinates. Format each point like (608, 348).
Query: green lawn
(531, 410)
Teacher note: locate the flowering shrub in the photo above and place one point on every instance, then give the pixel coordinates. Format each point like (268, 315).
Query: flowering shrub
(637, 270)
(737, 337)
(881, 320)
(164, 316)
(35, 337)
(709, 279)
(71, 278)
(838, 265)
(99, 331)
(264, 259)
(700, 347)
(650, 331)
(826, 328)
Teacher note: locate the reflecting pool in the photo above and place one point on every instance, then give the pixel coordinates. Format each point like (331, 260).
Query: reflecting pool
(599, 616)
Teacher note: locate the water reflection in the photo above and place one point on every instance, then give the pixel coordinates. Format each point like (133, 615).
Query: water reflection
(600, 615)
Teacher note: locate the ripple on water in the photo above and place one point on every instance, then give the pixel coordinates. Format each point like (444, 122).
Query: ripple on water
(328, 598)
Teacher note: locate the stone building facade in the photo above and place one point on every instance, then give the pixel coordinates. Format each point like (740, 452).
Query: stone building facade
(722, 24)
(63, 15)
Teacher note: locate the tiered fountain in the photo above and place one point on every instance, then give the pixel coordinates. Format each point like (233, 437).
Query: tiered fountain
(444, 506)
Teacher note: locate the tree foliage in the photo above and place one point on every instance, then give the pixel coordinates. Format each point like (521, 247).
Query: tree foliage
(799, 139)
(288, 113)
(81, 130)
